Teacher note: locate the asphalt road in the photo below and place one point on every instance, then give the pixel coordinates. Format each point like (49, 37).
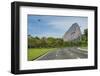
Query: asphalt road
(65, 53)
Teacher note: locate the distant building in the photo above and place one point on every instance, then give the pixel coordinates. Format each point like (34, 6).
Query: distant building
(74, 33)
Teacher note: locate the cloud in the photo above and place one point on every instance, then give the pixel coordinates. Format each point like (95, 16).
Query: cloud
(54, 26)
(61, 25)
(65, 23)
(48, 34)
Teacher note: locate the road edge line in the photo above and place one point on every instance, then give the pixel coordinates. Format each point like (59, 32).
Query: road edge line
(42, 55)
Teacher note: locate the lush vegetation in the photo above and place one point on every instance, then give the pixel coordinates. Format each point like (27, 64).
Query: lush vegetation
(40, 46)
(50, 42)
(34, 53)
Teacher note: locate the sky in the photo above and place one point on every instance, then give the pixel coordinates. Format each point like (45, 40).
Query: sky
(53, 26)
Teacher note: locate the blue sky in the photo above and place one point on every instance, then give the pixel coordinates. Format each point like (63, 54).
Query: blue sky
(53, 26)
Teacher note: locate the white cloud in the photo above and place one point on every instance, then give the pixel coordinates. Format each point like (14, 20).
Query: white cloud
(64, 24)
(46, 34)
(61, 25)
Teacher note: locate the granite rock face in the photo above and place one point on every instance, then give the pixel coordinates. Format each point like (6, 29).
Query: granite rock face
(74, 33)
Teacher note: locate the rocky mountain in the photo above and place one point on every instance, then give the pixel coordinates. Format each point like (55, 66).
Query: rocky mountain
(73, 33)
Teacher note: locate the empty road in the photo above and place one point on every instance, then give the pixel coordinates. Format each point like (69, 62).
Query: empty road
(65, 53)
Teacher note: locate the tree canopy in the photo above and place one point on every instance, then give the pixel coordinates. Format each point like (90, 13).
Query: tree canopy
(36, 42)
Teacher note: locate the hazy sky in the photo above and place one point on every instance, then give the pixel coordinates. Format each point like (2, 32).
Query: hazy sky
(53, 26)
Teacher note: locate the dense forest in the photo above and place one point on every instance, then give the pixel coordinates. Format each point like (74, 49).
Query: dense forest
(50, 42)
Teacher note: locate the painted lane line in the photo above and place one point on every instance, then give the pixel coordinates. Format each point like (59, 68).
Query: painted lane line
(44, 55)
(57, 53)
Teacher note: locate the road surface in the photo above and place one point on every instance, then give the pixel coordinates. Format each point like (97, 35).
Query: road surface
(65, 53)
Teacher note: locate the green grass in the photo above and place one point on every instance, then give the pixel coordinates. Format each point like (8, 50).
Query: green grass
(34, 53)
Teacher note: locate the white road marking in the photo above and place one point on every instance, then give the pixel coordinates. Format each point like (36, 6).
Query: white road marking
(57, 53)
(82, 49)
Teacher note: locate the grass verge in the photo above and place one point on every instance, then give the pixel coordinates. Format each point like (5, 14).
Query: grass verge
(34, 53)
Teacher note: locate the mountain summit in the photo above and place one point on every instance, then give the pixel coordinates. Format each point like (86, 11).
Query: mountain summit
(73, 33)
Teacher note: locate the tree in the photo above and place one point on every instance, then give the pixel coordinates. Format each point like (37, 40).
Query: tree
(86, 34)
(51, 42)
(59, 42)
(43, 42)
(31, 42)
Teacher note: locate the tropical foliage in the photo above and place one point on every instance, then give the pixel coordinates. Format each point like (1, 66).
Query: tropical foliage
(46, 42)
